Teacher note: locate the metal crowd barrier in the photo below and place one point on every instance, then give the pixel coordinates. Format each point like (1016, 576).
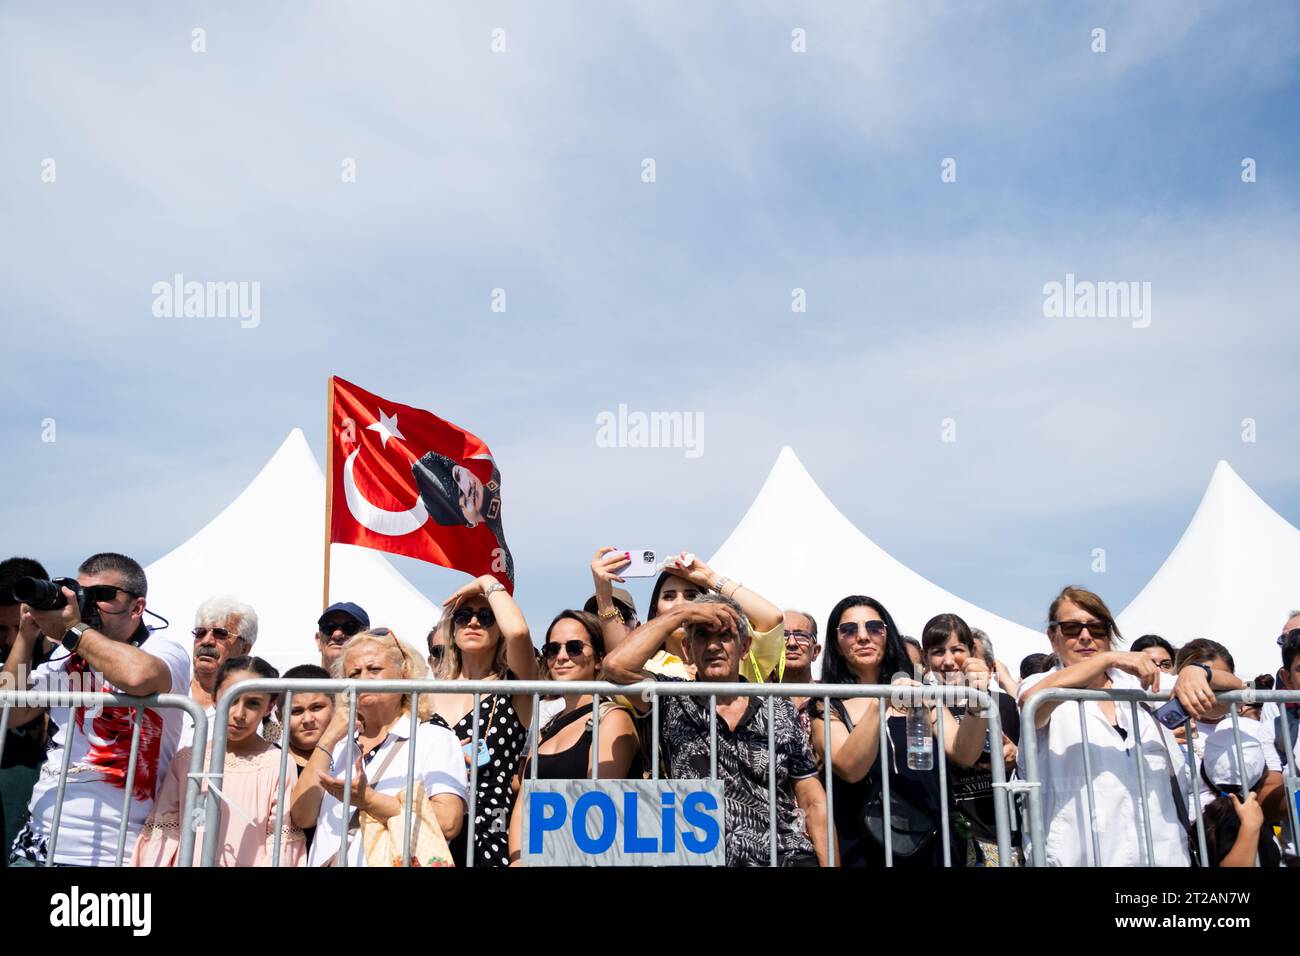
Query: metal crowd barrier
(1190, 785)
(57, 698)
(647, 690)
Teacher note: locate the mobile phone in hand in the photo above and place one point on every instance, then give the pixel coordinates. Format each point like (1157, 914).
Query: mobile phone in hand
(1172, 714)
(645, 564)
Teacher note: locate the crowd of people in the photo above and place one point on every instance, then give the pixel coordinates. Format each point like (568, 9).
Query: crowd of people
(287, 768)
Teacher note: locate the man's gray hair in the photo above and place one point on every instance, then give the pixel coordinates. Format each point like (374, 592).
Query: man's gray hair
(216, 611)
(986, 646)
(694, 626)
(812, 621)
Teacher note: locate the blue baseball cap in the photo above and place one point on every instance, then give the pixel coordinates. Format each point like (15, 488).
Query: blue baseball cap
(353, 611)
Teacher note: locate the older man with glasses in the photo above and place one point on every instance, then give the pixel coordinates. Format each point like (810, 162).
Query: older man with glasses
(801, 650)
(336, 627)
(224, 627)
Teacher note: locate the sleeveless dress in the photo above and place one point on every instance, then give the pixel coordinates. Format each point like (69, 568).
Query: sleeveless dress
(506, 738)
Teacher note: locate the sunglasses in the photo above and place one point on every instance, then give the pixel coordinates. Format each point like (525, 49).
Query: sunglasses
(850, 628)
(220, 633)
(802, 638)
(348, 626)
(574, 649)
(1097, 629)
(1289, 635)
(104, 593)
(438, 651)
(467, 614)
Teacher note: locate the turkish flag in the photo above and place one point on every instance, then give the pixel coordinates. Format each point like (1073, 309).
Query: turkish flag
(406, 481)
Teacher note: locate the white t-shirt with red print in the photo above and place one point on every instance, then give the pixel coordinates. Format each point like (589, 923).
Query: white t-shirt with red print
(97, 768)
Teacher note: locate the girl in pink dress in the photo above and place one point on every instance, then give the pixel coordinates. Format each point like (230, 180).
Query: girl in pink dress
(250, 787)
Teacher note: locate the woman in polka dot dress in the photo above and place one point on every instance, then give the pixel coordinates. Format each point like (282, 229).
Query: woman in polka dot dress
(486, 638)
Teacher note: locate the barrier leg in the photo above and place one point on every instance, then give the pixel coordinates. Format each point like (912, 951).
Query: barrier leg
(283, 778)
(136, 720)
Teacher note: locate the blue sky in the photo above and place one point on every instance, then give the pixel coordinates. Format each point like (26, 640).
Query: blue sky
(774, 170)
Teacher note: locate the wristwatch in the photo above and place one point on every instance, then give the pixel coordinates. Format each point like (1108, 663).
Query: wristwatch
(72, 637)
(1209, 674)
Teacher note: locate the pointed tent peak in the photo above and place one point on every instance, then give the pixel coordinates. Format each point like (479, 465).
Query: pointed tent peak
(1229, 492)
(292, 463)
(790, 490)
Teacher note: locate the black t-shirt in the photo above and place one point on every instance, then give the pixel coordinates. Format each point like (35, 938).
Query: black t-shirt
(972, 787)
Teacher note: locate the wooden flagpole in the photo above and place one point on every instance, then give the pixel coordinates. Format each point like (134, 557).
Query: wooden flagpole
(329, 488)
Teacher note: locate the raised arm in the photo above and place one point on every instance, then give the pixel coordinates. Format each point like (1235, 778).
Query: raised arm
(604, 572)
(763, 614)
(521, 656)
(627, 664)
(125, 666)
(18, 668)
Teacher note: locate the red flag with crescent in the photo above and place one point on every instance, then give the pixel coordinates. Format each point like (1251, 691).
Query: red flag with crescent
(405, 481)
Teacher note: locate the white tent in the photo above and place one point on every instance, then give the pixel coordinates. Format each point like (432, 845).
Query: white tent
(266, 548)
(795, 548)
(1232, 577)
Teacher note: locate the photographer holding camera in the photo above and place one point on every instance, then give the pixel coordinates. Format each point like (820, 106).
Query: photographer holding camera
(98, 621)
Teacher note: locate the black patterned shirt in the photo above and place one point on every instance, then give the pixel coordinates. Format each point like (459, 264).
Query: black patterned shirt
(743, 769)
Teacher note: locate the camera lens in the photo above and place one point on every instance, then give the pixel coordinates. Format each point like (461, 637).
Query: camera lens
(39, 594)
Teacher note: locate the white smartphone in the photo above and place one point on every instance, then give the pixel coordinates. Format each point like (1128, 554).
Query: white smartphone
(645, 564)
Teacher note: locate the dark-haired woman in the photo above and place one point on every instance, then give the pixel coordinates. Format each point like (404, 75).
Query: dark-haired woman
(949, 644)
(1084, 636)
(573, 651)
(250, 787)
(1158, 649)
(486, 637)
(863, 646)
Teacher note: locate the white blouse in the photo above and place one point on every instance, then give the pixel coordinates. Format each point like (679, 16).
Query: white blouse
(1115, 783)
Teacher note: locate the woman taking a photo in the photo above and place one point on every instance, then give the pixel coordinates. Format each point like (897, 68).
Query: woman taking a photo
(684, 578)
(573, 651)
(486, 638)
(377, 748)
(863, 646)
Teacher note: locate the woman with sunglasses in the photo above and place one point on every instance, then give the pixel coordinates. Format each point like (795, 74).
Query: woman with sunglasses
(486, 637)
(863, 646)
(573, 651)
(1084, 638)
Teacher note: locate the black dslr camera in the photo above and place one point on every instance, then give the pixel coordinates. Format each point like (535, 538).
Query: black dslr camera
(43, 595)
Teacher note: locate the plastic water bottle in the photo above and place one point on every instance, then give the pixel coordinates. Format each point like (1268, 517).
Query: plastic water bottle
(920, 738)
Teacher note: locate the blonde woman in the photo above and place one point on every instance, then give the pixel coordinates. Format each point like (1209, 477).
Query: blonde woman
(377, 748)
(485, 637)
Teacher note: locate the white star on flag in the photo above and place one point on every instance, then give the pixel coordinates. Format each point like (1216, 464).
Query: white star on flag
(387, 428)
